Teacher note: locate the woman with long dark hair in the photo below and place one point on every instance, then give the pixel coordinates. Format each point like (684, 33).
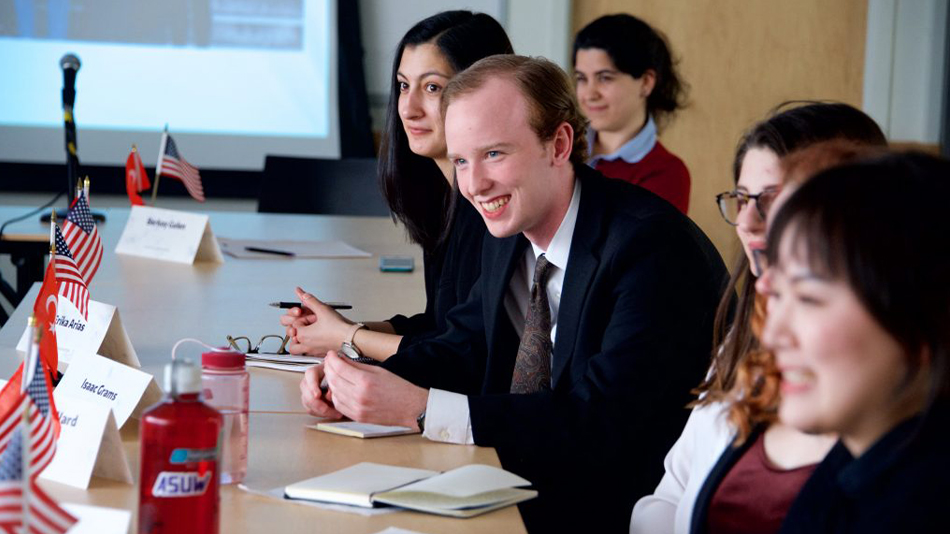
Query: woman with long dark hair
(417, 180)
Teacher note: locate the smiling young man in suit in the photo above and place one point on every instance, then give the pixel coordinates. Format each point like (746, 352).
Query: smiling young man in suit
(580, 381)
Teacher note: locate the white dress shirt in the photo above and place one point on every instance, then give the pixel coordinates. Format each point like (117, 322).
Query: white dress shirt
(447, 414)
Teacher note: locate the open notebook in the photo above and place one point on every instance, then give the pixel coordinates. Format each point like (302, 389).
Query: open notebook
(463, 492)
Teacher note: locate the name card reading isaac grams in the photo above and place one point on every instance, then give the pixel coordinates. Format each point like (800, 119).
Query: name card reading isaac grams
(99, 380)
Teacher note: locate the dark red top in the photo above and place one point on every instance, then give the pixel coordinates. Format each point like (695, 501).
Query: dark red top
(659, 171)
(754, 496)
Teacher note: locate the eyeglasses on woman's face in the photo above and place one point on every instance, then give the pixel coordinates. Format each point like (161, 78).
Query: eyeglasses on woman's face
(731, 203)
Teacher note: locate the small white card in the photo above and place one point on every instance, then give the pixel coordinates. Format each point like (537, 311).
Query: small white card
(102, 333)
(100, 380)
(169, 235)
(98, 520)
(89, 444)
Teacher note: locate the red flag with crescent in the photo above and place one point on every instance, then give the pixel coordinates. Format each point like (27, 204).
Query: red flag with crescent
(44, 309)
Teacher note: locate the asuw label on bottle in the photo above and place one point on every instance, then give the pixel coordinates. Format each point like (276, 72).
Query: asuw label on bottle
(180, 484)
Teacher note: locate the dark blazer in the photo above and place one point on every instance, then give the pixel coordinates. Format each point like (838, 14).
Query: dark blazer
(700, 521)
(634, 335)
(450, 272)
(900, 484)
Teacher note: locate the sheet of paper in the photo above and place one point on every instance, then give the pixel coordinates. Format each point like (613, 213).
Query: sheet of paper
(89, 444)
(98, 520)
(468, 480)
(301, 249)
(168, 235)
(111, 384)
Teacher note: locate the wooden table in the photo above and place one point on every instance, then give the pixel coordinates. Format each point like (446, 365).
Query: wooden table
(161, 302)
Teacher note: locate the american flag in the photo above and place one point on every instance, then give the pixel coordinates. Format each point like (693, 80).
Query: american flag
(71, 283)
(82, 238)
(174, 165)
(43, 515)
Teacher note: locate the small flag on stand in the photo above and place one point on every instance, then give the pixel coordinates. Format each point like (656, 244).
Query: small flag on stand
(136, 179)
(44, 310)
(30, 431)
(71, 283)
(172, 164)
(82, 238)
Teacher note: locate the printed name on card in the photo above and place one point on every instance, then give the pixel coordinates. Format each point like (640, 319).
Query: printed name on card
(169, 235)
(127, 391)
(89, 444)
(102, 333)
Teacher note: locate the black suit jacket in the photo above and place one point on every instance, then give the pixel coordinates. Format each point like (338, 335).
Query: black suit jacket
(450, 271)
(633, 337)
(900, 484)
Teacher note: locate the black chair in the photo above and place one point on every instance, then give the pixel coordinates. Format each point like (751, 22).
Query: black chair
(321, 186)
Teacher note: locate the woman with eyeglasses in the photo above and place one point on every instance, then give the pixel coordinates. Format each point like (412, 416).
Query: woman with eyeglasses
(627, 84)
(417, 179)
(859, 308)
(730, 426)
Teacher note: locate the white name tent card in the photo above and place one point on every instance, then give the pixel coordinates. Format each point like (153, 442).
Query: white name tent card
(127, 391)
(169, 235)
(98, 519)
(102, 333)
(89, 444)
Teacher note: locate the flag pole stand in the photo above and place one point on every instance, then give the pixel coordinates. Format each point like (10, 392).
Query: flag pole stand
(61, 214)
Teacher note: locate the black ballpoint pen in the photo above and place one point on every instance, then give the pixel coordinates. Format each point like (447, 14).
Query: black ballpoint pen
(287, 305)
(269, 251)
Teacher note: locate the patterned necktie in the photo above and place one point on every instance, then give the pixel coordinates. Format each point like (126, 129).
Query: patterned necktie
(533, 364)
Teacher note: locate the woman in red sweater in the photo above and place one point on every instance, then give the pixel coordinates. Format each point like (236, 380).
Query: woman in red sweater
(626, 84)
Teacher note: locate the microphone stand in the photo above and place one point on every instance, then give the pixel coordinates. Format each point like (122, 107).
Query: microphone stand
(70, 65)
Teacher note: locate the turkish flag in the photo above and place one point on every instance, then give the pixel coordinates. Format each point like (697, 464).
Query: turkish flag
(44, 310)
(136, 180)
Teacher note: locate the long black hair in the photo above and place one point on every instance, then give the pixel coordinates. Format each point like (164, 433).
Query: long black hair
(415, 188)
(634, 47)
(790, 126)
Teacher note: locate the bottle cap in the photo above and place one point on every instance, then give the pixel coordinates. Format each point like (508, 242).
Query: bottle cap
(182, 376)
(222, 360)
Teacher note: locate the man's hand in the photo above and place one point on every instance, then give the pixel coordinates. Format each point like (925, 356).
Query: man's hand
(313, 398)
(371, 394)
(316, 328)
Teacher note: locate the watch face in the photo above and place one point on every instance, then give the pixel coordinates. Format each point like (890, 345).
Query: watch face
(349, 351)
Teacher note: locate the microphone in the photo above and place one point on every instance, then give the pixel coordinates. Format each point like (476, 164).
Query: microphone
(70, 65)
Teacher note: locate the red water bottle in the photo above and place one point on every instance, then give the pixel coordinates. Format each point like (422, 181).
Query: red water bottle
(180, 452)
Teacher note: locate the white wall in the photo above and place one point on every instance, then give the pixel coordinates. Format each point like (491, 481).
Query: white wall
(535, 27)
(904, 67)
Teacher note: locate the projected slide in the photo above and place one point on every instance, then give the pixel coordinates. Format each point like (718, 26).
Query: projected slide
(233, 79)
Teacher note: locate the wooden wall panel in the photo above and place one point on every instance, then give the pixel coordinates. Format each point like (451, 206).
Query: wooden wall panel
(741, 58)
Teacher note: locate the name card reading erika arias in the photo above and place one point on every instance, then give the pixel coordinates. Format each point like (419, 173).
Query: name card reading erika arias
(169, 235)
(102, 333)
(99, 380)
